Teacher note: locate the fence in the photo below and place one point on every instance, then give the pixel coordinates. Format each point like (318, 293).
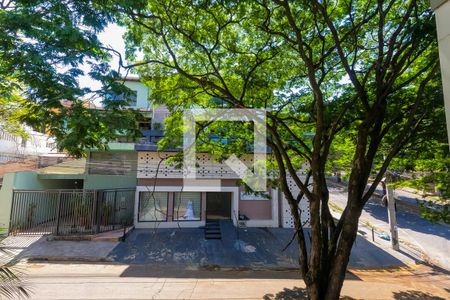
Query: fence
(70, 212)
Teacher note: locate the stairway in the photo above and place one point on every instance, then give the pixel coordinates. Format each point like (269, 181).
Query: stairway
(212, 230)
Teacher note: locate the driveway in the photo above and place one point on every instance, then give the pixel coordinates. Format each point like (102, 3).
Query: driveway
(255, 248)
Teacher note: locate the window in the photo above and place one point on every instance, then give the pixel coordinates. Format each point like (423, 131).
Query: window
(152, 206)
(186, 206)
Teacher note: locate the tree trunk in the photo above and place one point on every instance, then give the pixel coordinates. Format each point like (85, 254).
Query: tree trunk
(328, 283)
(336, 275)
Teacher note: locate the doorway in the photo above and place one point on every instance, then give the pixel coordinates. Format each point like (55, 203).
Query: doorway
(218, 206)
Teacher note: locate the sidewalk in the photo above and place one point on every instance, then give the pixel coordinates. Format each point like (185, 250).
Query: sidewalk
(87, 281)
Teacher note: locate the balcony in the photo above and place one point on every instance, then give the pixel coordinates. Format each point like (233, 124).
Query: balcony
(151, 137)
(149, 140)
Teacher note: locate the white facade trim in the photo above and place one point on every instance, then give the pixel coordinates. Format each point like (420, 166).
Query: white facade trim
(275, 213)
(261, 223)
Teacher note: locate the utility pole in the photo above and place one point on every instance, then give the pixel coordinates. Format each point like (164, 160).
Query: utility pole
(392, 217)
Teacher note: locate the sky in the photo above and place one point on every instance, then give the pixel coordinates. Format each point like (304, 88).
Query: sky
(111, 37)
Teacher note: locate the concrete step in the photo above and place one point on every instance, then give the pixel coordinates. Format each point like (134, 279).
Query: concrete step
(213, 226)
(213, 236)
(212, 230)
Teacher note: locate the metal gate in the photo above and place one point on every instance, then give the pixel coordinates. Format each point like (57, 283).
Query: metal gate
(70, 212)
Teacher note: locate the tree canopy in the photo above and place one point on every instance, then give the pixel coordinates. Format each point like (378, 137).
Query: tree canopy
(45, 44)
(361, 72)
(357, 78)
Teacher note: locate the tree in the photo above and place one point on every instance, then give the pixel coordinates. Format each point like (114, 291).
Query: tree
(321, 67)
(422, 164)
(11, 285)
(44, 45)
(425, 166)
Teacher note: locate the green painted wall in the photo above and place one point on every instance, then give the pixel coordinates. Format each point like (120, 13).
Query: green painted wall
(26, 180)
(30, 180)
(5, 199)
(109, 181)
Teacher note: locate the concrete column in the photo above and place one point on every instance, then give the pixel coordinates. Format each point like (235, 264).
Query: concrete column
(392, 219)
(170, 205)
(442, 11)
(203, 206)
(275, 205)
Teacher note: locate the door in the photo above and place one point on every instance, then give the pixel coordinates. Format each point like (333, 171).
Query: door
(218, 206)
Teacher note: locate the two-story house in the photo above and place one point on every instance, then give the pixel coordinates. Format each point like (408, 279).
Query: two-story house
(163, 201)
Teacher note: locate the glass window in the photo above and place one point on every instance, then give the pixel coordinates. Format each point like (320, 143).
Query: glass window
(186, 206)
(152, 206)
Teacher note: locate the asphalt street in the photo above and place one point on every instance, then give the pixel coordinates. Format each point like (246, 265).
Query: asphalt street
(432, 239)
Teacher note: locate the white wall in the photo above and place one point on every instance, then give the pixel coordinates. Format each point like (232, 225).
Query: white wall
(443, 30)
(35, 144)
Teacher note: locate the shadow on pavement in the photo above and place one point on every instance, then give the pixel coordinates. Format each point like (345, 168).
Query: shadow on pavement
(300, 293)
(405, 219)
(150, 271)
(170, 272)
(415, 295)
(294, 294)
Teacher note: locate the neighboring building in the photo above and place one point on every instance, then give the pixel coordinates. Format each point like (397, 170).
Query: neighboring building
(141, 100)
(34, 144)
(161, 200)
(442, 12)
